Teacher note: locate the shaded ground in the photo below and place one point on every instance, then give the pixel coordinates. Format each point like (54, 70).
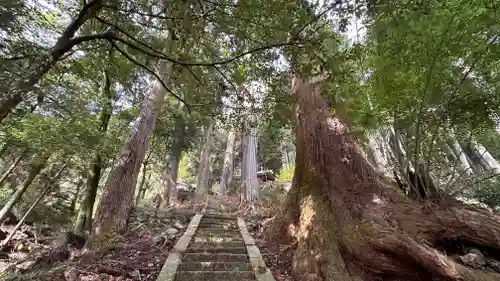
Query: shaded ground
(278, 257)
(137, 255)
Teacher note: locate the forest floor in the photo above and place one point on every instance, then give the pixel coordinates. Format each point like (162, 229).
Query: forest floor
(137, 255)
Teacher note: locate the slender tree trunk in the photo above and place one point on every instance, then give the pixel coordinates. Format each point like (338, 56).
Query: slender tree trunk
(490, 163)
(172, 160)
(36, 168)
(203, 167)
(350, 226)
(84, 218)
(47, 187)
(250, 182)
(420, 184)
(227, 169)
(45, 62)
(170, 178)
(476, 158)
(460, 156)
(142, 188)
(378, 150)
(12, 167)
(75, 196)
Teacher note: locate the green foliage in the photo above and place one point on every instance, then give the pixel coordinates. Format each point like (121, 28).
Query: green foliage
(286, 174)
(429, 69)
(488, 193)
(269, 151)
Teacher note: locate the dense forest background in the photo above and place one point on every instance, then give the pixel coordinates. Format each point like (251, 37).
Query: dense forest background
(106, 105)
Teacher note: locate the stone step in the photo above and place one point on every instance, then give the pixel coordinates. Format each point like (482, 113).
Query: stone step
(202, 245)
(215, 266)
(215, 239)
(216, 224)
(219, 217)
(220, 235)
(214, 276)
(214, 257)
(240, 250)
(218, 231)
(219, 228)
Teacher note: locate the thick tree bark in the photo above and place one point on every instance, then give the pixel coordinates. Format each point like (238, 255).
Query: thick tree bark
(84, 218)
(250, 184)
(12, 167)
(117, 200)
(36, 168)
(227, 169)
(349, 225)
(45, 62)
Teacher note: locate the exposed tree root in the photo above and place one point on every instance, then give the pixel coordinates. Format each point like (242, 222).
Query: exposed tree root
(349, 225)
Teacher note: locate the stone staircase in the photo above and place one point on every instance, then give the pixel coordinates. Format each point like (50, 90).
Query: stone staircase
(215, 247)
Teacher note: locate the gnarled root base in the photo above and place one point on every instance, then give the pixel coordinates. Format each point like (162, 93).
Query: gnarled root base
(349, 225)
(332, 248)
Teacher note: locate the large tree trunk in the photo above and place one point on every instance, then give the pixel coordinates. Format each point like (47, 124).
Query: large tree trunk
(227, 169)
(36, 168)
(204, 163)
(84, 218)
(350, 225)
(46, 61)
(250, 183)
(117, 200)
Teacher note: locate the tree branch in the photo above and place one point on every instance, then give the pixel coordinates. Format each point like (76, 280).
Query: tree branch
(127, 56)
